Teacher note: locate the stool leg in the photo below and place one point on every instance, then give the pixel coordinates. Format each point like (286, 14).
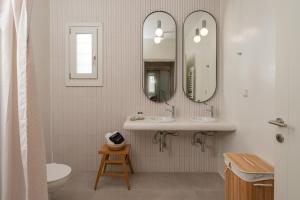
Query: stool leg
(129, 163)
(105, 165)
(126, 178)
(100, 171)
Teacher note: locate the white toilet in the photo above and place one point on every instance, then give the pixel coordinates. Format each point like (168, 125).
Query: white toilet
(57, 175)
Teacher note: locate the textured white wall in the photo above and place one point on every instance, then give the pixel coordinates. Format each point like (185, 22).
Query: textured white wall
(80, 116)
(166, 50)
(40, 27)
(0, 120)
(248, 27)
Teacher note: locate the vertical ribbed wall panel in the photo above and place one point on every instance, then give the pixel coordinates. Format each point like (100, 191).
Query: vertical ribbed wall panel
(80, 116)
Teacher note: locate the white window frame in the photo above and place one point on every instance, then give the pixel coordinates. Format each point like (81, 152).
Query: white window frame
(71, 77)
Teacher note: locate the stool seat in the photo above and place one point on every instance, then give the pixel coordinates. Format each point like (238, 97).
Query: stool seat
(124, 160)
(106, 150)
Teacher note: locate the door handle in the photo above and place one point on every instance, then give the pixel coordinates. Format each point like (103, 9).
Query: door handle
(278, 122)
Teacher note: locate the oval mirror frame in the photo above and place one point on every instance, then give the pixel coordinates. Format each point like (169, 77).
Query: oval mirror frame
(159, 66)
(189, 78)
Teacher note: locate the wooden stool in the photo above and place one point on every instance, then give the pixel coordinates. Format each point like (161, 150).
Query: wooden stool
(124, 160)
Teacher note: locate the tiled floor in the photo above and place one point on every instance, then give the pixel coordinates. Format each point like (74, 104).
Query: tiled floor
(144, 186)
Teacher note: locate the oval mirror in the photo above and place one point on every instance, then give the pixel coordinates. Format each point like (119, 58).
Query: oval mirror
(199, 56)
(159, 56)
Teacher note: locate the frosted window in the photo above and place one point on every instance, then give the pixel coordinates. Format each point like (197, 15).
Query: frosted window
(151, 84)
(84, 54)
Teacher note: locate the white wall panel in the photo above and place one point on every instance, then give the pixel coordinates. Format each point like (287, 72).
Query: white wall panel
(249, 55)
(40, 26)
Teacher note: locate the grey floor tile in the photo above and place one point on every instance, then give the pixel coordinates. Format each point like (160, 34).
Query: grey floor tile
(210, 195)
(154, 186)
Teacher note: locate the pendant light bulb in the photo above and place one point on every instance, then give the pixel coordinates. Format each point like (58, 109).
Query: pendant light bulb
(197, 37)
(157, 40)
(159, 32)
(204, 30)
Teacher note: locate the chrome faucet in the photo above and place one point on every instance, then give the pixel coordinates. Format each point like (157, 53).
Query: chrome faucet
(211, 110)
(172, 110)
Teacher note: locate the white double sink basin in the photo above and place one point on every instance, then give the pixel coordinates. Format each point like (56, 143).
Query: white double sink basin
(164, 119)
(165, 123)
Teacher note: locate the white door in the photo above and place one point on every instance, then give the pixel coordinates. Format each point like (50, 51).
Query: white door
(287, 164)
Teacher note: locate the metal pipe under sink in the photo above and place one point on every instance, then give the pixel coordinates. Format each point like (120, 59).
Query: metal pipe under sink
(160, 137)
(200, 138)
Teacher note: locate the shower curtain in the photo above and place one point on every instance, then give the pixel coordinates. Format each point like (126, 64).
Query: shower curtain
(23, 170)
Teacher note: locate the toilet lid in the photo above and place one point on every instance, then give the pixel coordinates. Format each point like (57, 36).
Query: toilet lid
(57, 172)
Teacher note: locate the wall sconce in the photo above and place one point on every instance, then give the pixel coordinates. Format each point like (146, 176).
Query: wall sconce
(197, 37)
(157, 39)
(159, 32)
(204, 30)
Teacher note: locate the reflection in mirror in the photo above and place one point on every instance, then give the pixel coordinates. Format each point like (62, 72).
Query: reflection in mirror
(200, 56)
(159, 56)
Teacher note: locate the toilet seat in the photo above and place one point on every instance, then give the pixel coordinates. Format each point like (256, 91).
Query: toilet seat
(57, 172)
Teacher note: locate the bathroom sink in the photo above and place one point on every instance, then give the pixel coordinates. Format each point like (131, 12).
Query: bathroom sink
(169, 123)
(162, 119)
(203, 119)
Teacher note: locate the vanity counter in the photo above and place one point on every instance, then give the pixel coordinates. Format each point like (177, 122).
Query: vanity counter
(179, 125)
